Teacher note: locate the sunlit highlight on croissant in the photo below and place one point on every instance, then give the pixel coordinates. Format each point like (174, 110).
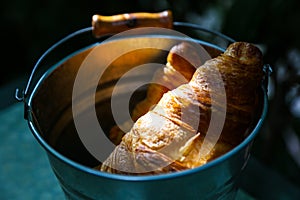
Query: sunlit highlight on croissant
(176, 72)
(167, 139)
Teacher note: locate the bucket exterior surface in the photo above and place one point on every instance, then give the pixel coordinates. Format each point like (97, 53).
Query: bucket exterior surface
(216, 180)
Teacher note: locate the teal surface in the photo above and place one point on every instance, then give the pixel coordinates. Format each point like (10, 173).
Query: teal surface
(24, 171)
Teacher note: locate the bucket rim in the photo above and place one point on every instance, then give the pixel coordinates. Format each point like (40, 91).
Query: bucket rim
(50, 150)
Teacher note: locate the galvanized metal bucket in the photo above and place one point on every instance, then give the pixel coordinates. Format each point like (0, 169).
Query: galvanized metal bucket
(48, 109)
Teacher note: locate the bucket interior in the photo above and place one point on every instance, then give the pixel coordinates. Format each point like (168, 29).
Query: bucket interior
(51, 100)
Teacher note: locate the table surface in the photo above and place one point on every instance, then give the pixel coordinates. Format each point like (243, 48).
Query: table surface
(25, 172)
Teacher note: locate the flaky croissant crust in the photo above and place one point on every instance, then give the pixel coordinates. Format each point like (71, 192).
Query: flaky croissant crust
(182, 61)
(161, 141)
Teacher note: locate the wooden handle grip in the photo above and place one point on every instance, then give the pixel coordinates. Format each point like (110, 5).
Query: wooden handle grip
(103, 25)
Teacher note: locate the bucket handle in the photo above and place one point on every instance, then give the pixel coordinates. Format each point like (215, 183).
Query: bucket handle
(103, 25)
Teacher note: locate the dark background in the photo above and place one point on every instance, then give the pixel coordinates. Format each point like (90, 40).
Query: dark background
(29, 27)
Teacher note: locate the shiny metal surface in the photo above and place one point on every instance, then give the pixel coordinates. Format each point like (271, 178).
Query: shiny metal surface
(48, 110)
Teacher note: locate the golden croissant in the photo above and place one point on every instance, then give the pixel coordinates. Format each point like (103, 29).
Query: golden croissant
(220, 101)
(176, 72)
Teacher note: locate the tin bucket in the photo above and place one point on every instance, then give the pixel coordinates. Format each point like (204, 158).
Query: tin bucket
(48, 109)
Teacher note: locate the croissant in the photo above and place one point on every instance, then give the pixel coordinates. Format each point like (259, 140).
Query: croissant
(177, 134)
(176, 72)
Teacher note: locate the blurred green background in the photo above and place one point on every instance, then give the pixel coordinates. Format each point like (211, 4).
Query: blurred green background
(29, 27)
